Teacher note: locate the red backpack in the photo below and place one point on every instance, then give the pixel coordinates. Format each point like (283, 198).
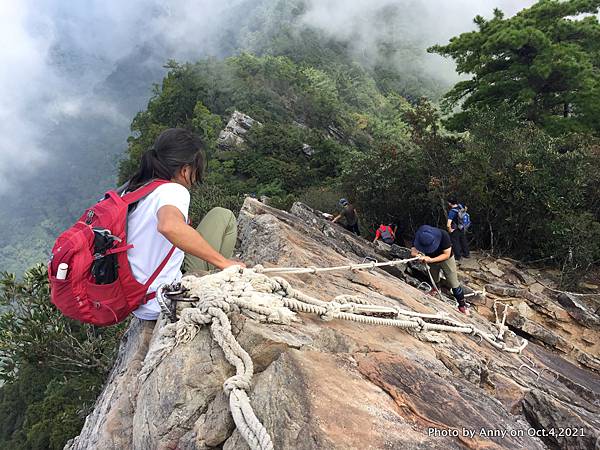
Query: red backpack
(78, 295)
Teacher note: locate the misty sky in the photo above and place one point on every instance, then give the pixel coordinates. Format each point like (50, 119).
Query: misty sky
(54, 53)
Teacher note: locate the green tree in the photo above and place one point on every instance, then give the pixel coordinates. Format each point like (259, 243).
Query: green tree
(207, 125)
(543, 62)
(33, 331)
(529, 191)
(52, 368)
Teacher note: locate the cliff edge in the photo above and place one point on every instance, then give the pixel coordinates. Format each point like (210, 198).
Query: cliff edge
(339, 384)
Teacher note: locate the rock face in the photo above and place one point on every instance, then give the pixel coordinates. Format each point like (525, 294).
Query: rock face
(564, 322)
(233, 134)
(308, 150)
(344, 385)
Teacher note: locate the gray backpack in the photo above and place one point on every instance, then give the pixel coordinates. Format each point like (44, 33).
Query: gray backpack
(386, 235)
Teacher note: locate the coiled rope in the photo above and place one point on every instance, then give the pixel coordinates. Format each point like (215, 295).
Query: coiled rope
(272, 299)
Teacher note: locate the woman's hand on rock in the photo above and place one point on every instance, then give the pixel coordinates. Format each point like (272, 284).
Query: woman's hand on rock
(232, 262)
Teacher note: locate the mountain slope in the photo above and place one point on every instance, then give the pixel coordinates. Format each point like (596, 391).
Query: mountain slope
(83, 147)
(341, 384)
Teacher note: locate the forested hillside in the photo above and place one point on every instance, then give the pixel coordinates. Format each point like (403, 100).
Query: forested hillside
(83, 149)
(525, 160)
(522, 153)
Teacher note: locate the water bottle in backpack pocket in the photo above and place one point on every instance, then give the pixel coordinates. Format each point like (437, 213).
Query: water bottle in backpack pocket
(105, 266)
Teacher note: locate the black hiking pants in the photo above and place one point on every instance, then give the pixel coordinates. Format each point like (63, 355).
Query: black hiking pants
(460, 246)
(353, 228)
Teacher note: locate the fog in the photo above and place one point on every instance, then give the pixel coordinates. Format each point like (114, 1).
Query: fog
(56, 52)
(74, 74)
(365, 24)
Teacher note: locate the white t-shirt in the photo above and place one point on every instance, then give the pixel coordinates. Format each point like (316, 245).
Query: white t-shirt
(150, 247)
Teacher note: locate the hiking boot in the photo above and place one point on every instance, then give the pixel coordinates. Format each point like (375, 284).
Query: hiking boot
(433, 292)
(464, 310)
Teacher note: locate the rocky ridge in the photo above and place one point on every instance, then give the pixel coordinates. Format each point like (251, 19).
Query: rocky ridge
(232, 136)
(346, 385)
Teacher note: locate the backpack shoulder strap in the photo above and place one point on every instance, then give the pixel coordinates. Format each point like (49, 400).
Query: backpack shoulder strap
(157, 272)
(159, 269)
(142, 192)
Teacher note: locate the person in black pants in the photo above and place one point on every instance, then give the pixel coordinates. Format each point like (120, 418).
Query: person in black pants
(456, 229)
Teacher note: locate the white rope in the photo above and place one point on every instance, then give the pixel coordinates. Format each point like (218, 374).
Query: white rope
(274, 300)
(313, 269)
(439, 292)
(474, 293)
(501, 323)
(566, 292)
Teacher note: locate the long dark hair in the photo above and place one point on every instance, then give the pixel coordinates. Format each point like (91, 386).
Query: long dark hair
(173, 149)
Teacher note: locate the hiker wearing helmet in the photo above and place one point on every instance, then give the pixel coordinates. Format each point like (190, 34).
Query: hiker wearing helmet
(159, 222)
(350, 216)
(434, 247)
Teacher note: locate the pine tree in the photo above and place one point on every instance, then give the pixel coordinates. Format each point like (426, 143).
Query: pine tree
(544, 61)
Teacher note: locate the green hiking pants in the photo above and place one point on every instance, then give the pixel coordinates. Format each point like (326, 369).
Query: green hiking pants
(450, 271)
(219, 228)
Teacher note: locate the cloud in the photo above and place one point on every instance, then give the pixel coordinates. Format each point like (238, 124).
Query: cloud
(60, 51)
(22, 76)
(413, 24)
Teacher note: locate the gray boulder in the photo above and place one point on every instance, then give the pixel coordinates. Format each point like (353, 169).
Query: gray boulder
(233, 135)
(337, 384)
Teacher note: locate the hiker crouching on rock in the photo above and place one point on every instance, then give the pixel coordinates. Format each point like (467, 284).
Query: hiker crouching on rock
(350, 216)
(435, 248)
(386, 233)
(159, 222)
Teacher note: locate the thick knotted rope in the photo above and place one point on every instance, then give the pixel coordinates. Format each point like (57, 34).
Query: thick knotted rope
(272, 299)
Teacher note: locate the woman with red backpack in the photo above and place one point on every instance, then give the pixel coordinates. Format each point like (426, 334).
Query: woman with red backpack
(112, 260)
(160, 220)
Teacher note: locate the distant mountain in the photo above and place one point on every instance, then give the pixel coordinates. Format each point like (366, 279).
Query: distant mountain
(85, 145)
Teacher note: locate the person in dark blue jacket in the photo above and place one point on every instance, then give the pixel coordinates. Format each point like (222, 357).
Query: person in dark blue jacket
(433, 247)
(456, 228)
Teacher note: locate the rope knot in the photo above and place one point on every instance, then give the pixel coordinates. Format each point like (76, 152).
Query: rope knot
(423, 326)
(236, 382)
(259, 268)
(333, 309)
(284, 286)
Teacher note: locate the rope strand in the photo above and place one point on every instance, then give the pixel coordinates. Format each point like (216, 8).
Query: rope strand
(274, 300)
